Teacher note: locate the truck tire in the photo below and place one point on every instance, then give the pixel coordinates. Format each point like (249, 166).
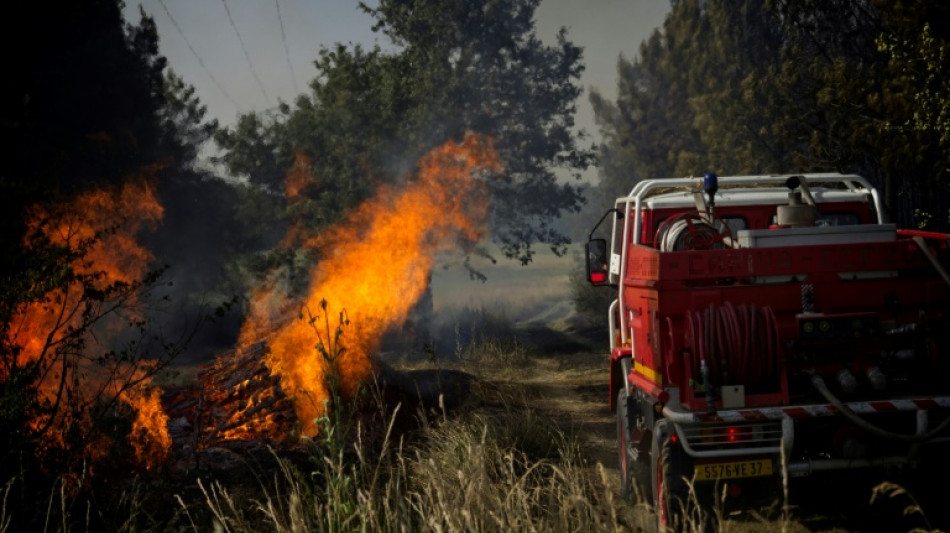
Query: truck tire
(671, 468)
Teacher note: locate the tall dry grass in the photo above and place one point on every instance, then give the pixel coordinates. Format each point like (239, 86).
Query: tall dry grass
(496, 465)
(516, 472)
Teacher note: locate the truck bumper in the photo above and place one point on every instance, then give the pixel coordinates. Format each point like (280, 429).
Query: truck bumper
(772, 431)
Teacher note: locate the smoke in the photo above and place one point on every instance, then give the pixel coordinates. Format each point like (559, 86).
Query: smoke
(202, 236)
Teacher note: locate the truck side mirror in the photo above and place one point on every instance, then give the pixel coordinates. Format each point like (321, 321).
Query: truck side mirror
(597, 261)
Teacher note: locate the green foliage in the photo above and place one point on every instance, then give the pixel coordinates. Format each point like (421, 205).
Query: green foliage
(913, 102)
(923, 60)
(334, 425)
(649, 131)
(754, 87)
(250, 152)
(458, 66)
(182, 117)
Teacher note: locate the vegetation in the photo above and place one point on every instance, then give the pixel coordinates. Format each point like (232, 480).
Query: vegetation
(475, 473)
(497, 460)
(91, 108)
(458, 66)
(96, 127)
(772, 87)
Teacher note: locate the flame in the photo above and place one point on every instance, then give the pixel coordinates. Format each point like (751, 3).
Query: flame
(149, 436)
(299, 178)
(375, 266)
(103, 224)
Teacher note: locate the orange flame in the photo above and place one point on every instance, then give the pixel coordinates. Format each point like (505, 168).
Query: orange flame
(375, 267)
(149, 436)
(299, 178)
(105, 224)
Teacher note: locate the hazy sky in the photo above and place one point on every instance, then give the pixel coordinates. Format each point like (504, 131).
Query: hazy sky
(240, 57)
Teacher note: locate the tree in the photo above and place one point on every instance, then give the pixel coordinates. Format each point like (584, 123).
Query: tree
(485, 70)
(649, 131)
(76, 353)
(787, 87)
(912, 102)
(459, 65)
(90, 117)
(182, 119)
(739, 39)
(87, 102)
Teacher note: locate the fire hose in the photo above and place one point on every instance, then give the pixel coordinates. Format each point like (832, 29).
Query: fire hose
(737, 344)
(819, 384)
(693, 230)
(740, 344)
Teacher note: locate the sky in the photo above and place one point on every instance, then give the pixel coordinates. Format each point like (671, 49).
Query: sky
(246, 55)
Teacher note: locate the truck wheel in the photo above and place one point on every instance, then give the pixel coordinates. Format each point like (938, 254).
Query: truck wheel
(670, 489)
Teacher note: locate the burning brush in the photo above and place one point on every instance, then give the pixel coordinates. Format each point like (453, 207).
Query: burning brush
(376, 265)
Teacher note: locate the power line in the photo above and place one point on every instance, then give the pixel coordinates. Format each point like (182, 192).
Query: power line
(283, 36)
(244, 48)
(198, 57)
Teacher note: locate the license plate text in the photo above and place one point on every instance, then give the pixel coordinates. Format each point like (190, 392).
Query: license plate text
(734, 470)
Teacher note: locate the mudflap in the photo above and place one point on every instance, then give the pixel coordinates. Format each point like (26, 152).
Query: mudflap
(634, 464)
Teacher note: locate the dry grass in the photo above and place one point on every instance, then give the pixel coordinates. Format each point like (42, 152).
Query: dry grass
(474, 473)
(494, 465)
(498, 463)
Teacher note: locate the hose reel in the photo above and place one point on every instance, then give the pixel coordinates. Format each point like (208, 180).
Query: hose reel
(693, 231)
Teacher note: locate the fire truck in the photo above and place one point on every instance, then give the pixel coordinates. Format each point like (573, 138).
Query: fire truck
(769, 326)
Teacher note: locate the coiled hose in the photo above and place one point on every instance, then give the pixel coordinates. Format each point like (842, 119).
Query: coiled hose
(739, 344)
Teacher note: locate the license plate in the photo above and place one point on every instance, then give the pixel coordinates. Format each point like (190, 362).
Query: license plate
(734, 470)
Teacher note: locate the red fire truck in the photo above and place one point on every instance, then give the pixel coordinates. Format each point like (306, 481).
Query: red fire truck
(769, 326)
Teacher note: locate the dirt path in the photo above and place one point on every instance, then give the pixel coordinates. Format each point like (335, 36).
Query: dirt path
(572, 390)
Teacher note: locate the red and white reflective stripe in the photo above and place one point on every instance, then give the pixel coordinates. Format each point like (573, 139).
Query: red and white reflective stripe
(809, 411)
